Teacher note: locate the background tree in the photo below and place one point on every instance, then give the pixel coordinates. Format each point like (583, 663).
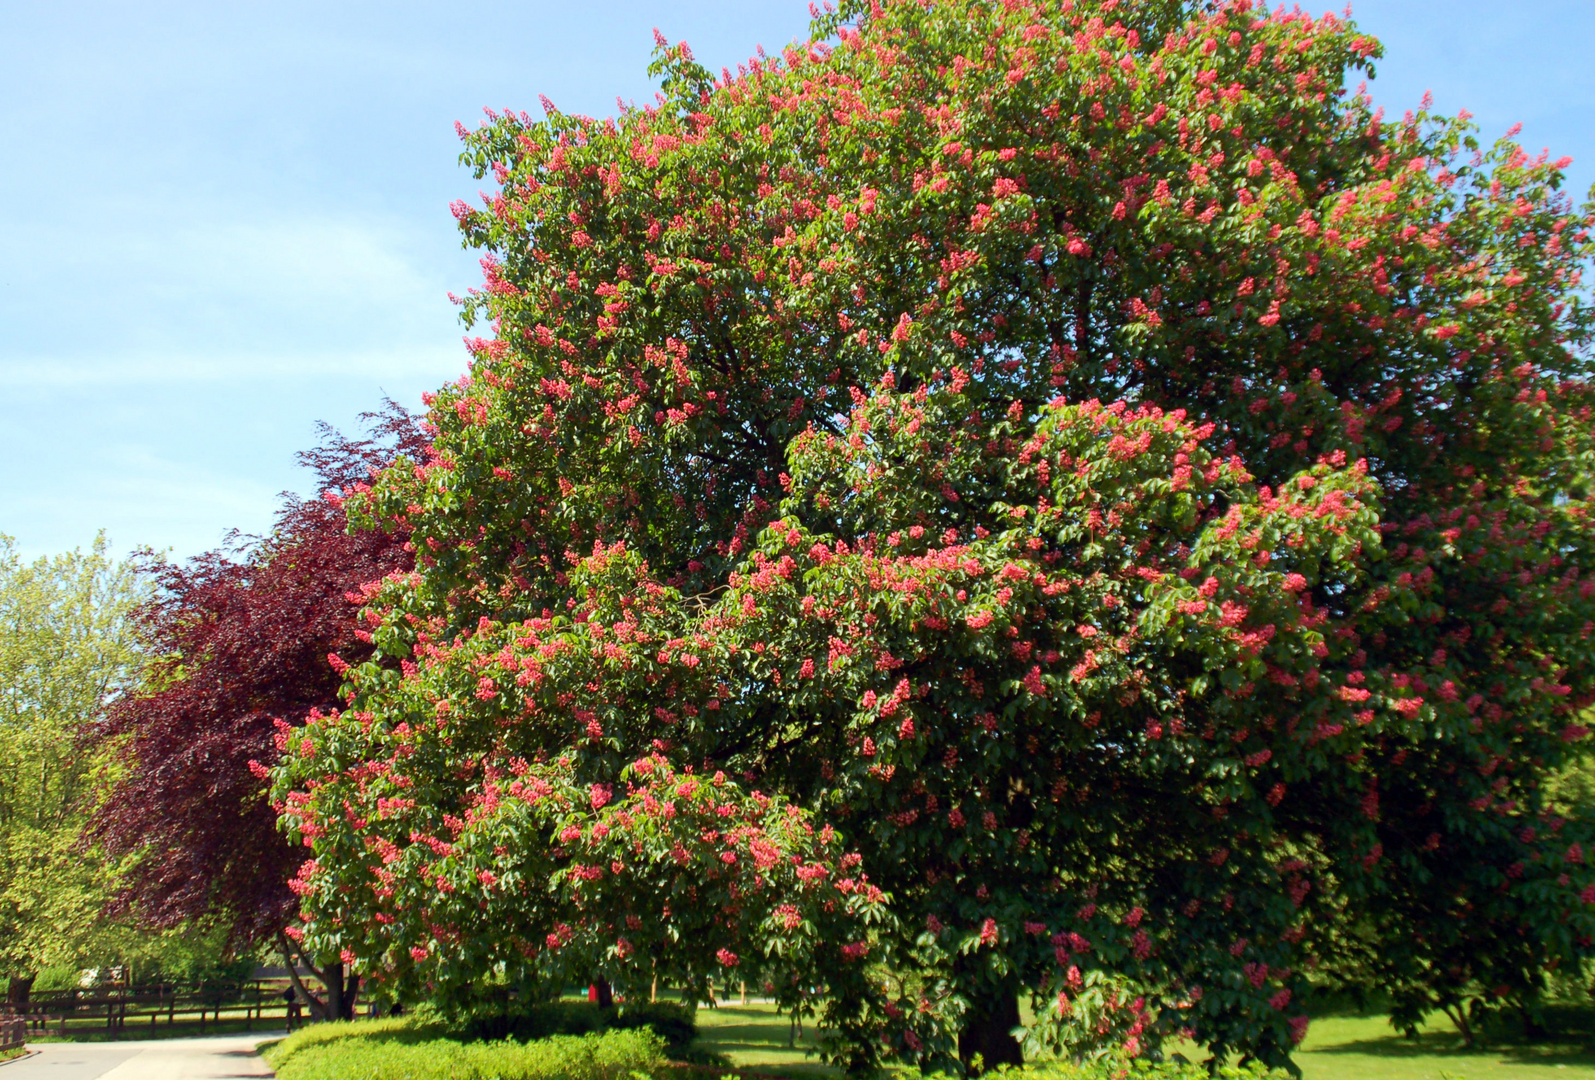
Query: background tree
(1172, 693)
(69, 647)
(242, 637)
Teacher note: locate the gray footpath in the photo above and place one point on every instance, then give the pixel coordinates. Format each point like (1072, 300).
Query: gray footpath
(218, 1057)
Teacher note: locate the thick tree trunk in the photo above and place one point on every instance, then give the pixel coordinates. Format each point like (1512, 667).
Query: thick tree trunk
(343, 989)
(17, 992)
(988, 1034)
(339, 993)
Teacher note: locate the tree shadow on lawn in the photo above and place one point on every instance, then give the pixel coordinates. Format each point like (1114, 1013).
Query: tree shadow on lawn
(1448, 1045)
(756, 1038)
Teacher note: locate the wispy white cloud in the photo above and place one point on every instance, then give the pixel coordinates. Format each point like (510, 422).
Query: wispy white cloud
(317, 287)
(140, 499)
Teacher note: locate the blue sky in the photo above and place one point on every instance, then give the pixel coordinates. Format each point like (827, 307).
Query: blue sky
(220, 223)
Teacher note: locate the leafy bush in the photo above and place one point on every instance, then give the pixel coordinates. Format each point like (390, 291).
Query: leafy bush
(58, 977)
(673, 1023)
(407, 1049)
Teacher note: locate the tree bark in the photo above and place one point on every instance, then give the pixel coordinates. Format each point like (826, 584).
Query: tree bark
(988, 1033)
(290, 959)
(343, 989)
(17, 991)
(340, 993)
(1459, 1018)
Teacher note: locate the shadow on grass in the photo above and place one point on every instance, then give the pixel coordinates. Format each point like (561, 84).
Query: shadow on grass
(755, 1037)
(1563, 1048)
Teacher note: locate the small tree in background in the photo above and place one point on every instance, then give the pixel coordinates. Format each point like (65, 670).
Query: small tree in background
(242, 637)
(791, 461)
(69, 647)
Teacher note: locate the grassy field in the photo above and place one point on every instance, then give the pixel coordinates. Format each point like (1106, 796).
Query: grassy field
(1337, 1048)
(1357, 1048)
(756, 1037)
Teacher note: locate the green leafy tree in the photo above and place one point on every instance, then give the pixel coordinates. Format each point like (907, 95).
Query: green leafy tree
(788, 462)
(67, 648)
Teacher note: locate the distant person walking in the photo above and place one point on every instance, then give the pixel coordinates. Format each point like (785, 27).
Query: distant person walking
(291, 1000)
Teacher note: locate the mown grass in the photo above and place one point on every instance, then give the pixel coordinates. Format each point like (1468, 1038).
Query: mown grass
(755, 1036)
(409, 1049)
(1367, 1048)
(1336, 1048)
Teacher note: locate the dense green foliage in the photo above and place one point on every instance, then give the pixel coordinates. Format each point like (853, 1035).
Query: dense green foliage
(671, 1022)
(405, 1049)
(1054, 499)
(67, 647)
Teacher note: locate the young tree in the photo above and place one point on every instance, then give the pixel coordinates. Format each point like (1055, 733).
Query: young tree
(242, 637)
(68, 648)
(787, 461)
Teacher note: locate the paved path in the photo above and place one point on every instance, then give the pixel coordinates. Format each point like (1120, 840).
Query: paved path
(218, 1057)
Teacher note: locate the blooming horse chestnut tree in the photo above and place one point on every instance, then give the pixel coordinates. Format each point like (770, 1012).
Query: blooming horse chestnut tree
(1005, 498)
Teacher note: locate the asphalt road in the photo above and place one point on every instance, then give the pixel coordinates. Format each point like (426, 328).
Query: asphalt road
(217, 1057)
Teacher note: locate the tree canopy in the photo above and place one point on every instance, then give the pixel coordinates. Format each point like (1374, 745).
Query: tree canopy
(68, 648)
(1060, 499)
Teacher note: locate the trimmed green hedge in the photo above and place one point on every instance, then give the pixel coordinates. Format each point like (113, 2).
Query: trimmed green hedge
(671, 1022)
(408, 1049)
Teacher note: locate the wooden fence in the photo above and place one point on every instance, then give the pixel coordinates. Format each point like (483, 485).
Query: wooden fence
(135, 1011)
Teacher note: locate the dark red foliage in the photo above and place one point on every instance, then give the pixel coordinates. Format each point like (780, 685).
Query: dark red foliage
(243, 633)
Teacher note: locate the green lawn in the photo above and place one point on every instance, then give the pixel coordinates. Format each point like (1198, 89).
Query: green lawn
(1358, 1048)
(754, 1036)
(1337, 1048)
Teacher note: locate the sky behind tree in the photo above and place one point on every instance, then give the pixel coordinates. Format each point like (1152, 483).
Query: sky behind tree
(222, 223)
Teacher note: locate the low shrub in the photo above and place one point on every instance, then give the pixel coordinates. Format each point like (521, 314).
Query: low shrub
(409, 1049)
(673, 1023)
